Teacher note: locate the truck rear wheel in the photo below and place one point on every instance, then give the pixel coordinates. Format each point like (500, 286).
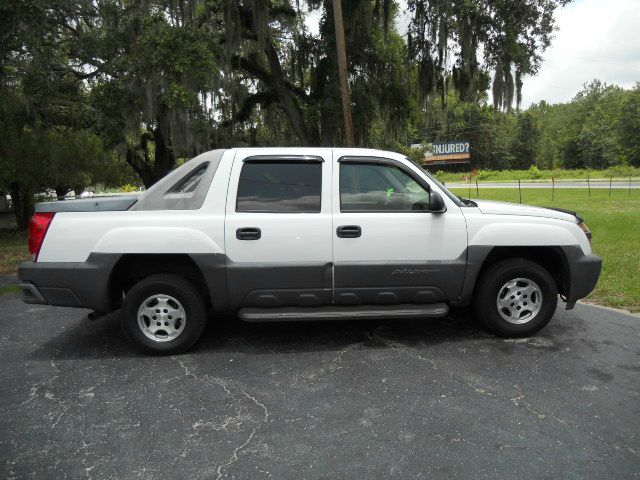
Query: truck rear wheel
(515, 298)
(163, 314)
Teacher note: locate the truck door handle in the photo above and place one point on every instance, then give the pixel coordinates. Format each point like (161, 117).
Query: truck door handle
(248, 233)
(349, 231)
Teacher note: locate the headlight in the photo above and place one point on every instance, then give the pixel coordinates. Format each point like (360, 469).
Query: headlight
(587, 232)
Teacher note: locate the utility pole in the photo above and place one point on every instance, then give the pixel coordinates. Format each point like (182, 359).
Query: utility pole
(342, 71)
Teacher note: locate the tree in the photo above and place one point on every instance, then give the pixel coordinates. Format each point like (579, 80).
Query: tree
(512, 34)
(526, 142)
(44, 109)
(597, 143)
(629, 125)
(25, 39)
(71, 161)
(151, 66)
(19, 156)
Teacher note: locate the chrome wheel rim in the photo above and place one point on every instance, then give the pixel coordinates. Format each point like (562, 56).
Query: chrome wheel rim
(519, 300)
(161, 318)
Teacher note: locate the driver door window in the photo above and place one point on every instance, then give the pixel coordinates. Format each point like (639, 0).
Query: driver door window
(370, 187)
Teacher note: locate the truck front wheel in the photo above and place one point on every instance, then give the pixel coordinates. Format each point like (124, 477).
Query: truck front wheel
(163, 314)
(515, 298)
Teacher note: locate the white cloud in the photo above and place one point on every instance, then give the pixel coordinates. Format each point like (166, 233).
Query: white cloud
(595, 39)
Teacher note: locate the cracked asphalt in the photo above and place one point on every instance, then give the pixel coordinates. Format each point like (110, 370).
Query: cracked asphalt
(388, 399)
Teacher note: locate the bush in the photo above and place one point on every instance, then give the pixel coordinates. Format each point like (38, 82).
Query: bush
(486, 174)
(535, 173)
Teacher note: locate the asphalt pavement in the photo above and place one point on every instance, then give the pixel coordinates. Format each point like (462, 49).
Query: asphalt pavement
(387, 399)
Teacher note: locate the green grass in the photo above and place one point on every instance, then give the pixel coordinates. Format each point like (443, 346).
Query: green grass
(620, 173)
(13, 251)
(9, 289)
(615, 223)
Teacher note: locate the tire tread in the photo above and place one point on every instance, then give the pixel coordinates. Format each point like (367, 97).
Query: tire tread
(494, 277)
(192, 301)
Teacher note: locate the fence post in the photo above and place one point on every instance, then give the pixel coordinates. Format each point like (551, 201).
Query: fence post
(520, 190)
(610, 180)
(477, 189)
(553, 189)
(589, 187)
(629, 186)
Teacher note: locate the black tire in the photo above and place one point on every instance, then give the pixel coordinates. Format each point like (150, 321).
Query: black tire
(188, 298)
(490, 285)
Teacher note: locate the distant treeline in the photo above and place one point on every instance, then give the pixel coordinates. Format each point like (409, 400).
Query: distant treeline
(598, 129)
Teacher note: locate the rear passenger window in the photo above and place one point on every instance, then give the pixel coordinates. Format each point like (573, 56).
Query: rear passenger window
(279, 187)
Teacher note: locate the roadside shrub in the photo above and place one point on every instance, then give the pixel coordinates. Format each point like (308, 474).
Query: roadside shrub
(623, 171)
(535, 173)
(487, 174)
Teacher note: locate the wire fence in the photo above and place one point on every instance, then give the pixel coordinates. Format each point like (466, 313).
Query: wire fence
(519, 190)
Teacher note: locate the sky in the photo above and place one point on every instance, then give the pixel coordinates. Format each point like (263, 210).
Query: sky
(594, 39)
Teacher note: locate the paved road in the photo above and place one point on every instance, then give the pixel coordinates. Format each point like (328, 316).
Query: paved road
(559, 184)
(402, 400)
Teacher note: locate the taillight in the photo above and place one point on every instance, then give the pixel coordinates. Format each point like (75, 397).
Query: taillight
(38, 227)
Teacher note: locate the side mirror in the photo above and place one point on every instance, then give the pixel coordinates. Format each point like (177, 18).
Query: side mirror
(436, 203)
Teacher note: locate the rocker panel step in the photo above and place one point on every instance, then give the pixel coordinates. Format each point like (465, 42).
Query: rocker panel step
(362, 312)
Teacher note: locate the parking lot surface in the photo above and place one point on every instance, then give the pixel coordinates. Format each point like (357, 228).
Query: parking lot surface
(389, 399)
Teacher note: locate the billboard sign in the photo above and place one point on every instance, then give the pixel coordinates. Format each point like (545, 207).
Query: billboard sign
(449, 152)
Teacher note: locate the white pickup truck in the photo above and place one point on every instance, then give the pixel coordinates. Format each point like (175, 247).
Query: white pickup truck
(279, 234)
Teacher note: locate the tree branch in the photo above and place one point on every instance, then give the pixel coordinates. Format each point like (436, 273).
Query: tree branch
(264, 98)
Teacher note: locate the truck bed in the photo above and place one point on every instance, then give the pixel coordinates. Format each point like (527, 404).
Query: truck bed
(96, 204)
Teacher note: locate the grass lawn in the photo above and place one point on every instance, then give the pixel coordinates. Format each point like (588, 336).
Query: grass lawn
(13, 251)
(9, 289)
(615, 223)
(619, 173)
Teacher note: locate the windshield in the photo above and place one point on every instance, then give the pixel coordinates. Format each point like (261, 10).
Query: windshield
(444, 189)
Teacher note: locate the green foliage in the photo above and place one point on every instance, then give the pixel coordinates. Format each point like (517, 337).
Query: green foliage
(526, 141)
(484, 175)
(534, 172)
(629, 126)
(586, 132)
(510, 34)
(128, 188)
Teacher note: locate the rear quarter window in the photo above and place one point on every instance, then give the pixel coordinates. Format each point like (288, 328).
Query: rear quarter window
(191, 182)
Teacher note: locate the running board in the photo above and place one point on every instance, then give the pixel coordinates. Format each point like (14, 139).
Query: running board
(364, 312)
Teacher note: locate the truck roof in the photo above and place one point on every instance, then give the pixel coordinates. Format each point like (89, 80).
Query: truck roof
(365, 152)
